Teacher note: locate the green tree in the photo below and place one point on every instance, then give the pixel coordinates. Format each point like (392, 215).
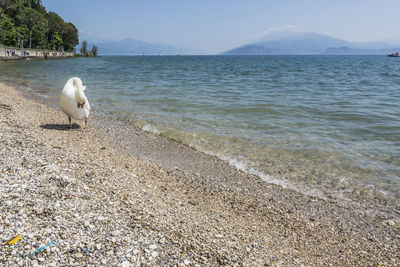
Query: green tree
(37, 5)
(36, 23)
(8, 31)
(10, 7)
(83, 49)
(39, 34)
(22, 35)
(27, 22)
(57, 42)
(70, 36)
(12, 10)
(94, 51)
(56, 24)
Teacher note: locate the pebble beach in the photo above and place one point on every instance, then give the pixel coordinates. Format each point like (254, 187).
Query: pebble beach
(100, 199)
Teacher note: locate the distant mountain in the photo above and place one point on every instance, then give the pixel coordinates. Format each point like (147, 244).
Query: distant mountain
(296, 43)
(131, 46)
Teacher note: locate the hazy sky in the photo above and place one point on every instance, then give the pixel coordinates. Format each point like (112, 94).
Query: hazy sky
(213, 26)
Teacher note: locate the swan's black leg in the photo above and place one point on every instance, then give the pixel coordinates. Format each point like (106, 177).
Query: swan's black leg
(85, 122)
(70, 125)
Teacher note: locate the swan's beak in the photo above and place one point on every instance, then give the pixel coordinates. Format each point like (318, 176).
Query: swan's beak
(81, 105)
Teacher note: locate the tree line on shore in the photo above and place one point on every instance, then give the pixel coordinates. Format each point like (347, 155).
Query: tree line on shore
(84, 50)
(27, 24)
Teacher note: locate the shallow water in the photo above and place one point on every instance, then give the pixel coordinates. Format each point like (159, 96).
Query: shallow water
(327, 125)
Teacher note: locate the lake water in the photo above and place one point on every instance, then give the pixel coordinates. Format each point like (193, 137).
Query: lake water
(326, 125)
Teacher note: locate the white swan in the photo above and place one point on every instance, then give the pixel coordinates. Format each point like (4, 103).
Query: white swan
(73, 101)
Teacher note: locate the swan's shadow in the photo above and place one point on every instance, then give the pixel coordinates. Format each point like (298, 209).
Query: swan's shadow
(60, 127)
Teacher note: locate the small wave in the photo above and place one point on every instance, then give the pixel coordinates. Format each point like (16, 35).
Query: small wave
(200, 142)
(150, 128)
(242, 166)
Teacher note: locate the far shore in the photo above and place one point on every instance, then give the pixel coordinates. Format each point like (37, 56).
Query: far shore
(149, 201)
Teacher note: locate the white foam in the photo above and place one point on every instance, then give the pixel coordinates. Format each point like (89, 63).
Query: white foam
(242, 166)
(150, 128)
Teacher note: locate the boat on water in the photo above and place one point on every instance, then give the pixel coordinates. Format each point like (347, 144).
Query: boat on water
(394, 55)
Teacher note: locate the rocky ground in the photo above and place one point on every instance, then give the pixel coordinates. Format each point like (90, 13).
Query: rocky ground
(105, 207)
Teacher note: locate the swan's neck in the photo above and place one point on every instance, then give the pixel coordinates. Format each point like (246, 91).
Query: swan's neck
(80, 96)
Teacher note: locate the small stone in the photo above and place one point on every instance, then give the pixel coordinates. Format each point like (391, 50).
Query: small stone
(98, 246)
(186, 262)
(113, 240)
(390, 222)
(115, 233)
(79, 255)
(136, 251)
(153, 246)
(154, 254)
(125, 264)
(41, 259)
(86, 223)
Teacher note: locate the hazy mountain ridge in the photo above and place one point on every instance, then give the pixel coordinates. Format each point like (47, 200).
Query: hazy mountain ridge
(130, 46)
(296, 43)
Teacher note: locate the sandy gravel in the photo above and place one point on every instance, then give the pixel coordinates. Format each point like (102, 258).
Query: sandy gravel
(109, 200)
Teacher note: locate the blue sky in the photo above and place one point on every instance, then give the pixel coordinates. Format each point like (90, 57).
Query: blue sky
(215, 26)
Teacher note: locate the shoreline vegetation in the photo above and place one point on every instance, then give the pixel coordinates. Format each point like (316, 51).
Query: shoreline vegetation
(26, 24)
(84, 50)
(28, 31)
(102, 206)
(12, 53)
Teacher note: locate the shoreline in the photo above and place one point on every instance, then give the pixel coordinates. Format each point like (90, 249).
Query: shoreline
(134, 141)
(185, 206)
(31, 58)
(13, 53)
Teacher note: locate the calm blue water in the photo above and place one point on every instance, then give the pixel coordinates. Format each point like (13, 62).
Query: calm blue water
(323, 124)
